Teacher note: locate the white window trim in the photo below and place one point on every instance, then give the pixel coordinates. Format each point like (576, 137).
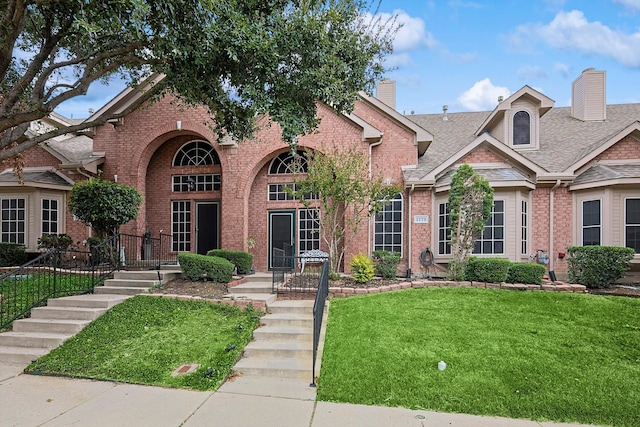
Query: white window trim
(625, 224)
(600, 225)
(401, 232)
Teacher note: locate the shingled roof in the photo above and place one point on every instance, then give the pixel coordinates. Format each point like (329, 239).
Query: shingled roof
(564, 140)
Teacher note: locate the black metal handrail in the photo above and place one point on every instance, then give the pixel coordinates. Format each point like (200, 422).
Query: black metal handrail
(318, 313)
(51, 275)
(296, 274)
(146, 252)
(59, 273)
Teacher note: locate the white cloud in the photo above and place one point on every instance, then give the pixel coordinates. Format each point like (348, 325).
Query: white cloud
(483, 95)
(572, 32)
(397, 60)
(412, 34)
(530, 72)
(633, 5)
(563, 69)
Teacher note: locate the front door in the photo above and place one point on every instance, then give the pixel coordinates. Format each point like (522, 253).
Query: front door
(281, 237)
(207, 227)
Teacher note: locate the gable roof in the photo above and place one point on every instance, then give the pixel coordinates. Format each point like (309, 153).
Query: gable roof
(544, 104)
(564, 140)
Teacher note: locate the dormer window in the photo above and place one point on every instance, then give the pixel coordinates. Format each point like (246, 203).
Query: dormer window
(521, 128)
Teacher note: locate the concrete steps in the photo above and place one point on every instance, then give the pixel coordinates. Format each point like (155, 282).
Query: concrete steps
(63, 317)
(135, 282)
(283, 345)
(257, 288)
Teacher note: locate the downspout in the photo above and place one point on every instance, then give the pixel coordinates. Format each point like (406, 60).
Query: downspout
(410, 236)
(83, 173)
(370, 227)
(551, 251)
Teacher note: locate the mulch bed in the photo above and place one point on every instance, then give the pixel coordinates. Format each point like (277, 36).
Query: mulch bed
(201, 288)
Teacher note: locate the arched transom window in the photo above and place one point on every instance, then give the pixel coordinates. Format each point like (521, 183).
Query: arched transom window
(196, 153)
(521, 128)
(289, 162)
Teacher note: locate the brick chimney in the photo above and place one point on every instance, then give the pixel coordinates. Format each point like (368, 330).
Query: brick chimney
(588, 96)
(386, 92)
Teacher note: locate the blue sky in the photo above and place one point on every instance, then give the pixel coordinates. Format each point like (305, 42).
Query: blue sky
(467, 53)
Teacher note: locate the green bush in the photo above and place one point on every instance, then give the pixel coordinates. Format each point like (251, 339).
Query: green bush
(494, 270)
(386, 263)
(526, 272)
(12, 254)
(242, 260)
(362, 268)
(196, 266)
(598, 266)
(55, 241)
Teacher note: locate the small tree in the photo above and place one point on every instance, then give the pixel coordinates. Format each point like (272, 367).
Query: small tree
(470, 205)
(104, 205)
(347, 195)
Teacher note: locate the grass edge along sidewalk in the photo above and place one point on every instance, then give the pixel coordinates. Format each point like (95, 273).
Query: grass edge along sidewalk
(534, 355)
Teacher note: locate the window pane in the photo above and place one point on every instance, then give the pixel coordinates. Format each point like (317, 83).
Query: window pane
(591, 213)
(632, 211)
(521, 128)
(591, 236)
(388, 226)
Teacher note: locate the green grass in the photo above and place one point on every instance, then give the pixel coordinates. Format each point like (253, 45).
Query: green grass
(534, 355)
(144, 339)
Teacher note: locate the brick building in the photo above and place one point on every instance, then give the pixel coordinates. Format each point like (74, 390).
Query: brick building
(562, 177)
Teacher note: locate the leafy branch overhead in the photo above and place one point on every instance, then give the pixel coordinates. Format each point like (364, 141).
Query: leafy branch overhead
(240, 59)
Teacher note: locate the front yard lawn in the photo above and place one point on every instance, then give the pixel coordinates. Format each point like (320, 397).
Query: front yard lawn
(144, 339)
(536, 355)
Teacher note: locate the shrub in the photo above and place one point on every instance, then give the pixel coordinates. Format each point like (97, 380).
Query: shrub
(242, 260)
(493, 270)
(55, 241)
(526, 272)
(362, 268)
(386, 263)
(12, 254)
(196, 266)
(598, 266)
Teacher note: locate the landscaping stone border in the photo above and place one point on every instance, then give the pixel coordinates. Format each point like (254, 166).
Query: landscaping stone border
(339, 292)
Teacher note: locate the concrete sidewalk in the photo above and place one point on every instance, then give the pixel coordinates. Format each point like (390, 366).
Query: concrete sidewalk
(29, 400)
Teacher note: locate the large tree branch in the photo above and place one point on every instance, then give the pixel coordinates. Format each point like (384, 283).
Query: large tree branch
(24, 142)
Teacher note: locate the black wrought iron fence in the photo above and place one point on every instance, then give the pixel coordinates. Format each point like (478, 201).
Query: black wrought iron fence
(59, 273)
(146, 252)
(318, 313)
(296, 273)
(51, 275)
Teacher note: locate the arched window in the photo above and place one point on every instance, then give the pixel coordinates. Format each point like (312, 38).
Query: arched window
(196, 153)
(521, 128)
(288, 162)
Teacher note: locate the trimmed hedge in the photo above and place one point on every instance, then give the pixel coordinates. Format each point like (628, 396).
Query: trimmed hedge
(494, 270)
(12, 254)
(386, 263)
(242, 260)
(526, 272)
(55, 241)
(598, 266)
(195, 266)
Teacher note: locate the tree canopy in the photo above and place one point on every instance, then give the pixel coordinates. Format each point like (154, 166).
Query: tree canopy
(239, 58)
(104, 205)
